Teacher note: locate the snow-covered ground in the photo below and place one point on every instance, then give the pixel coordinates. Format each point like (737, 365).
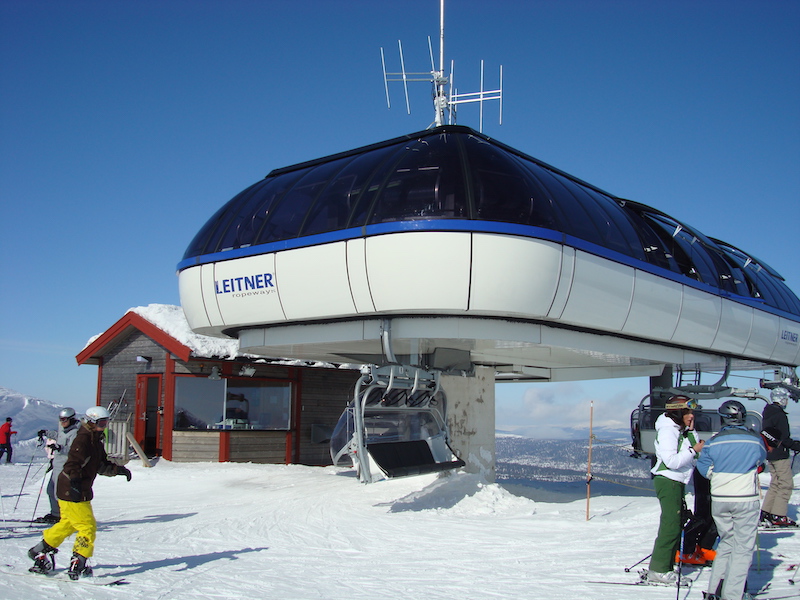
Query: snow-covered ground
(242, 531)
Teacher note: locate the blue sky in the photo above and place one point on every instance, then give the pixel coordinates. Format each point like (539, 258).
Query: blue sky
(124, 125)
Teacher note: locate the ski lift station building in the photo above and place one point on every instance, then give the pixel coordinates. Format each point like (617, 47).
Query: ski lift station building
(450, 251)
(189, 397)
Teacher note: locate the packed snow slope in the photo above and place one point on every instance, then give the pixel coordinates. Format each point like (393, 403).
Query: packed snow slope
(244, 531)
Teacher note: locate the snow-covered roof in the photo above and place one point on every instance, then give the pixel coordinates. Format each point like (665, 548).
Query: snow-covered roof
(171, 320)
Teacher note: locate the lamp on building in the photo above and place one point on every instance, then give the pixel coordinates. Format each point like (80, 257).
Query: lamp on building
(247, 371)
(147, 359)
(214, 374)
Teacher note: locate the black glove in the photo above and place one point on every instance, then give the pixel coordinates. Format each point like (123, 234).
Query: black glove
(75, 491)
(40, 433)
(795, 445)
(124, 471)
(55, 447)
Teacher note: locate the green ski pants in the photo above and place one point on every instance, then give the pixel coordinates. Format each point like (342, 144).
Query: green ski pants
(670, 495)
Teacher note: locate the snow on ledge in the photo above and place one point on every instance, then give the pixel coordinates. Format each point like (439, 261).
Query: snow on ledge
(171, 320)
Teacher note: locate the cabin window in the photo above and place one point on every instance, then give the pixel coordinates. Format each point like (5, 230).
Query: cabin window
(232, 403)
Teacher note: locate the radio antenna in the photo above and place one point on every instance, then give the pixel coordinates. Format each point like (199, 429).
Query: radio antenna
(445, 96)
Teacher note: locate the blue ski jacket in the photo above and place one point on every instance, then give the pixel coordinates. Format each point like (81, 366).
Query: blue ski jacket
(730, 460)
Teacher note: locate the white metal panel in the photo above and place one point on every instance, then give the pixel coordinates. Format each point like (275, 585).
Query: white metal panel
(655, 308)
(764, 334)
(788, 341)
(247, 290)
(513, 275)
(313, 282)
(210, 296)
(357, 274)
(736, 323)
(191, 295)
(796, 360)
(564, 282)
(601, 293)
(700, 314)
(419, 271)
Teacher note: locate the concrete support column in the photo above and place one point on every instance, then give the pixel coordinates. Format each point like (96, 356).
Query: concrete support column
(470, 419)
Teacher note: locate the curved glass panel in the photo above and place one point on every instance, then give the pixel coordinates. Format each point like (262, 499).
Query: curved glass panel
(288, 216)
(241, 231)
(197, 247)
(427, 183)
(207, 239)
(578, 221)
(655, 251)
(503, 190)
(615, 229)
(338, 200)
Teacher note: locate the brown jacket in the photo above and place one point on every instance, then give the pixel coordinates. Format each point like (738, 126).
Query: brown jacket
(86, 460)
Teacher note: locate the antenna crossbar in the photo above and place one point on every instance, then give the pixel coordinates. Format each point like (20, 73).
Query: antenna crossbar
(445, 97)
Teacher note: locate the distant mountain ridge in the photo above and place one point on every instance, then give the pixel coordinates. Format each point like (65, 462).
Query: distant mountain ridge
(557, 469)
(29, 414)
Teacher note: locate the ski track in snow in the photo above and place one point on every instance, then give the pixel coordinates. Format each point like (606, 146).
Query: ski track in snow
(240, 531)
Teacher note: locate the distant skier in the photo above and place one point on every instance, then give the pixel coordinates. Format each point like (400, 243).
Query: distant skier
(86, 459)
(776, 501)
(5, 439)
(61, 440)
(677, 448)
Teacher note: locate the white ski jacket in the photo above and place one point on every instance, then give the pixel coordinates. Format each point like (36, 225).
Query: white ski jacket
(675, 457)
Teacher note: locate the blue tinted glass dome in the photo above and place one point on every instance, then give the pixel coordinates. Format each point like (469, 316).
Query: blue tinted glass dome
(453, 177)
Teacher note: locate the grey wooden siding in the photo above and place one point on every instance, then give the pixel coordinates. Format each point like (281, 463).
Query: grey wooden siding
(195, 446)
(258, 446)
(120, 369)
(325, 395)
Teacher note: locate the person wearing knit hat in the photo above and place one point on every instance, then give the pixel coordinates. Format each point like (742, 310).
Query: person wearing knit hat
(775, 423)
(677, 448)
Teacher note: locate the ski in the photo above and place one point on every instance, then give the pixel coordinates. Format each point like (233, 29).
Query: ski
(642, 583)
(685, 582)
(621, 583)
(61, 576)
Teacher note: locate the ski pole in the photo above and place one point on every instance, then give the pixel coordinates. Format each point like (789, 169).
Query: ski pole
(794, 574)
(41, 487)
(26, 474)
(628, 569)
(680, 562)
(2, 508)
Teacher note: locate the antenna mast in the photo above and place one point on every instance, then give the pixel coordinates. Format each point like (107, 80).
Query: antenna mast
(445, 97)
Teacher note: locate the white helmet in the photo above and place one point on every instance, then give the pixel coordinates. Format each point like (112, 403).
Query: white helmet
(96, 413)
(779, 396)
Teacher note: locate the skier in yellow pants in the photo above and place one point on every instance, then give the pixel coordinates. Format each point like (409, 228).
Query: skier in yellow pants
(87, 459)
(75, 516)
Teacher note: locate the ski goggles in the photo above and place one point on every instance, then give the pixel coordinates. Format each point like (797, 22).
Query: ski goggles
(681, 403)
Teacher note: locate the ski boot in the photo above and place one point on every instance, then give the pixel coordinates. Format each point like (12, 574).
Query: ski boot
(50, 519)
(43, 556)
(78, 567)
(781, 521)
(700, 556)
